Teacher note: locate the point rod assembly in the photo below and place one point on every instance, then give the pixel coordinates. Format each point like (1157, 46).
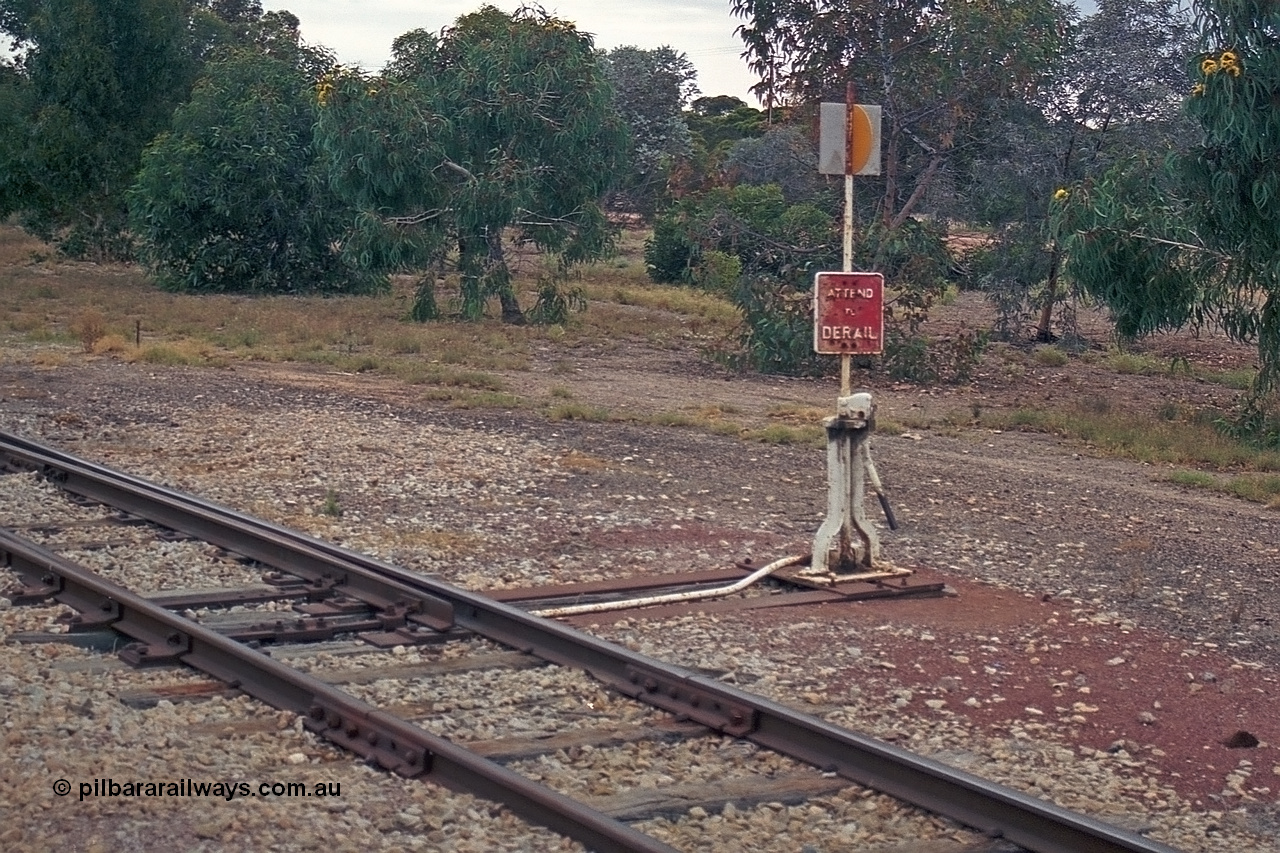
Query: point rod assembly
(847, 542)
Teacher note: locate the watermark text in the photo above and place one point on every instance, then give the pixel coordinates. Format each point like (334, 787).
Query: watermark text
(227, 789)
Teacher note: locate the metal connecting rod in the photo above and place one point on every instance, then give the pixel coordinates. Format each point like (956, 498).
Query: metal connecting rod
(847, 542)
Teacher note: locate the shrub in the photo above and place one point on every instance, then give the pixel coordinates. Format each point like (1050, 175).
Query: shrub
(89, 326)
(669, 256)
(230, 199)
(1050, 356)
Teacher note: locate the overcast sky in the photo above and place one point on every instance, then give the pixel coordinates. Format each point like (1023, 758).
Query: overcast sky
(361, 31)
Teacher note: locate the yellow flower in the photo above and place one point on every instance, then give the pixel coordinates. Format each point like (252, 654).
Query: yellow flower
(323, 91)
(1060, 195)
(1234, 70)
(1227, 59)
(1197, 89)
(1208, 66)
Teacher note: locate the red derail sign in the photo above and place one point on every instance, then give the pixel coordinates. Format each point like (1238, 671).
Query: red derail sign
(848, 313)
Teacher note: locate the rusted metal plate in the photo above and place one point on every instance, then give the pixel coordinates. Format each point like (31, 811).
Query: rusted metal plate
(848, 315)
(192, 599)
(686, 698)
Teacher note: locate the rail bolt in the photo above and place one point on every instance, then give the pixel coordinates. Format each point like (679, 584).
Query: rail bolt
(333, 719)
(650, 685)
(371, 736)
(174, 639)
(316, 713)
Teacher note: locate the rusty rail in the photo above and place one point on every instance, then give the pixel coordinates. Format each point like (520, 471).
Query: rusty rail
(165, 637)
(997, 810)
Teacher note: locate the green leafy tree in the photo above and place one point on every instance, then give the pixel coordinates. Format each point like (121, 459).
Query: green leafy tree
(229, 198)
(650, 89)
(940, 69)
(773, 249)
(1117, 88)
(715, 125)
(501, 128)
(278, 34)
(1194, 238)
(753, 223)
(723, 119)
(105, 76)
(769, 250)
(784, 156)
(16, 99)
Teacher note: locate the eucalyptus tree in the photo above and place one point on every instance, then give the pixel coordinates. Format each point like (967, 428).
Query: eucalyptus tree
(1194, 238)
(651, 88)
(1115, 90)
(229, 199)
(100, 78)
(784, 156)
(502, 126)
(941, 69)
(92, 84)
(722, 120)
(16, 99)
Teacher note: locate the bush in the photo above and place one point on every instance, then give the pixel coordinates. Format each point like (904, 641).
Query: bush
(782, 156)
(229, 199)
(669, 257)
(773, 249)
(777, 335)
(919, 358)
(753, 224)
(1050, 356)
(718, 272)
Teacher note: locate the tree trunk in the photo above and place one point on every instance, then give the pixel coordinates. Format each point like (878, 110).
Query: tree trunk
(888, 207)
(1043, 333)
(511, 312)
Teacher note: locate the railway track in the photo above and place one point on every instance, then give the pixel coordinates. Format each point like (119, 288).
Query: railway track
(313, 592)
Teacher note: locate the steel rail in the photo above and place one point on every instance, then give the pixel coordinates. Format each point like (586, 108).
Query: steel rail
(393, 743)
(994, 809)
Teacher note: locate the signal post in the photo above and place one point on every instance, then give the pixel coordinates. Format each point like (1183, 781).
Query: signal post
(848, 320)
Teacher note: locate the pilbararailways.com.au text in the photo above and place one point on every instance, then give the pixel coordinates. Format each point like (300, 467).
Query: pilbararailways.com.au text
(227, 790)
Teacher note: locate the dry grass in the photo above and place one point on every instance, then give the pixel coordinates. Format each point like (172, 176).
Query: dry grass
(795, 413)
(112, 311)
(1145, 438)
(89, 326)
(17, 248)
(1259, 488)
(583, 463)
(106, 307)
